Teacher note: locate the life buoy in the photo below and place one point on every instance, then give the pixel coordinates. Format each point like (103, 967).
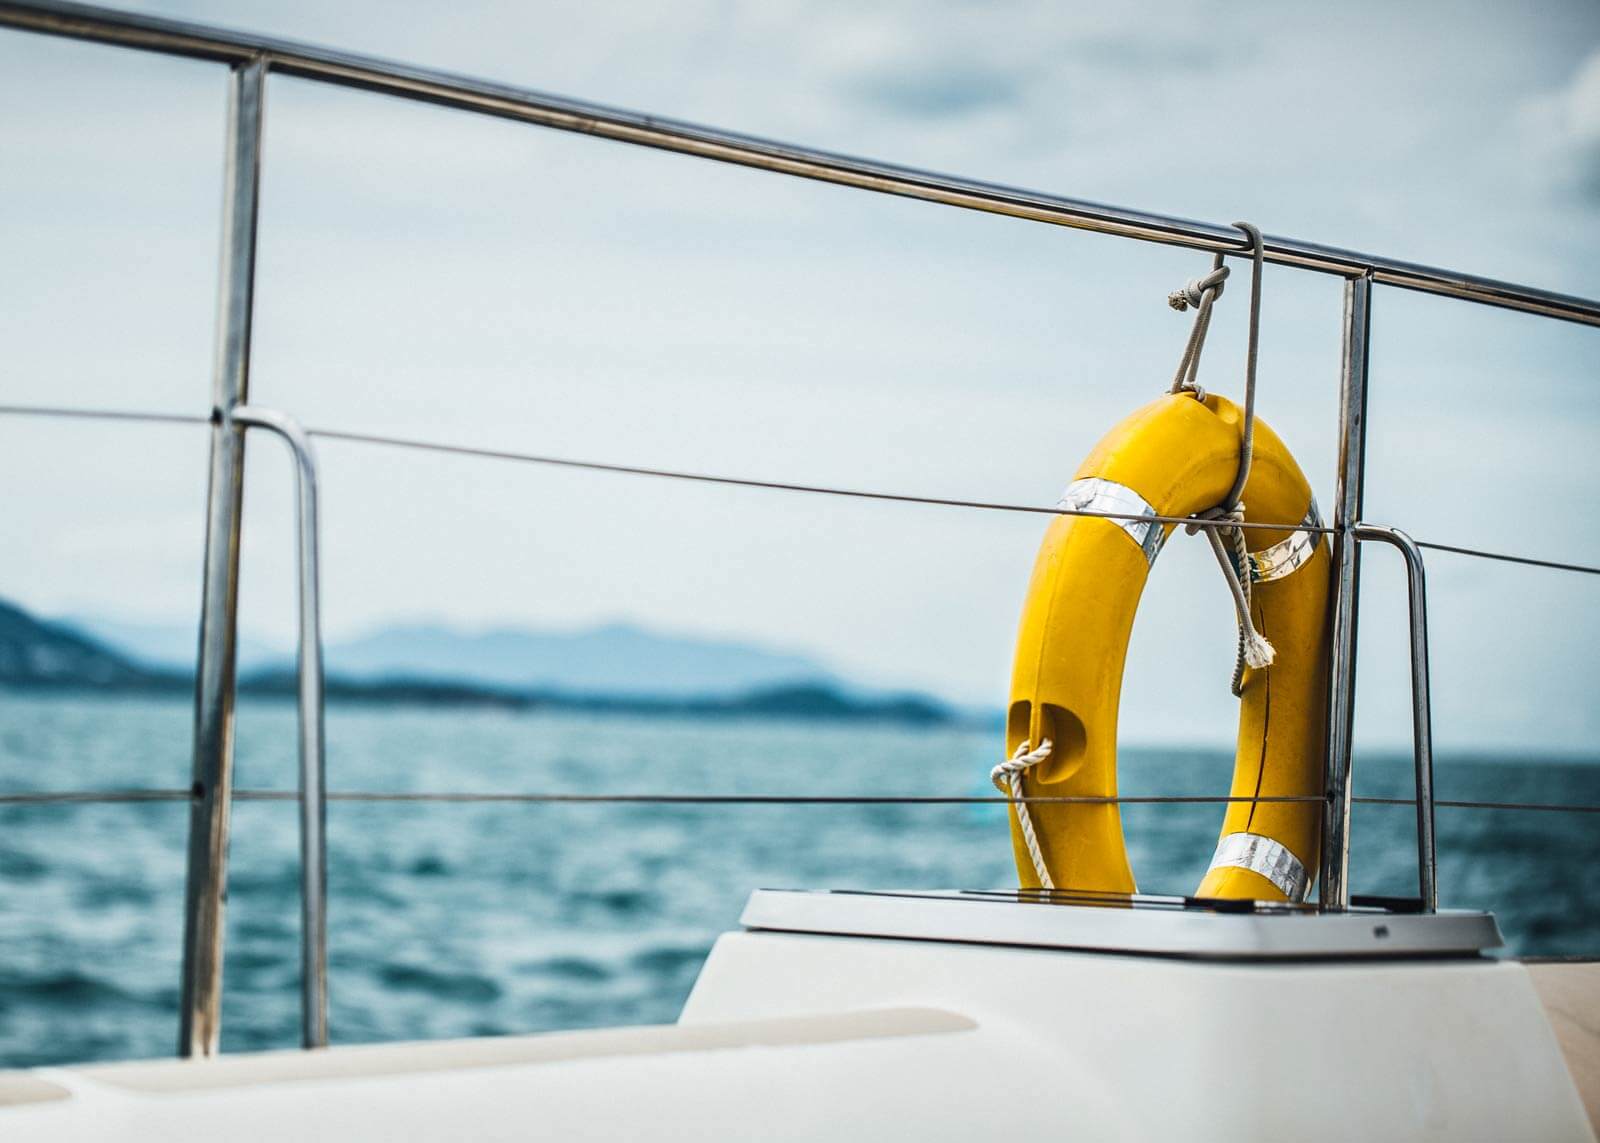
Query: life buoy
(1175, 457)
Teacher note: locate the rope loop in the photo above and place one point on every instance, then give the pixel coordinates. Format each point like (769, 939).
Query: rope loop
(1247, 446)
(1228, 543)
(1201, 293)
(1007, 778)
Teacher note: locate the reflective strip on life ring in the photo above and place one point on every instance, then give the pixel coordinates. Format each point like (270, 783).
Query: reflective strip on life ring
(1092, 494)
(1175, 457)
(1287, 555)
(1266, 856)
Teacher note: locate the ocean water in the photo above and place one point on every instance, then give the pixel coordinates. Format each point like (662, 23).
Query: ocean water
(472, 919)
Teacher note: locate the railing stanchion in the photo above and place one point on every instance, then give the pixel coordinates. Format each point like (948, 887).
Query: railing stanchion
(1335, 872)
(205, 893)
(313, 769)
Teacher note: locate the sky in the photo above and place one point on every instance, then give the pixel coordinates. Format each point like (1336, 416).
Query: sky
(429, 274)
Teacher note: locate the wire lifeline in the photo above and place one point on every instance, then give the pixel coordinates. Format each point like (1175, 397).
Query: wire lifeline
(68, 412)
(636, 470)
(93, 797)
(783, 486)
(825, 490)
(1507, 557)
(111, 797)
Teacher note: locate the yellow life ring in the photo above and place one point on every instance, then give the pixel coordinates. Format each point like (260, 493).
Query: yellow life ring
(1176, 456)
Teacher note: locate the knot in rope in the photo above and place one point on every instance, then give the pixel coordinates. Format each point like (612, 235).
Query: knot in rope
(1233, 557)
(1194, 292)
(1007, 778)
(1200, 293)
(1022, 760)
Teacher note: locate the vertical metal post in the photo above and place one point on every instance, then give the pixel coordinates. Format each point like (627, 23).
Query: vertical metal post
(1335, 872)
(313, 771)
(1421, 708)
(206, 892)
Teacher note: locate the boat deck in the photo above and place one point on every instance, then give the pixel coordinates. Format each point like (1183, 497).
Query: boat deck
(803, 1036)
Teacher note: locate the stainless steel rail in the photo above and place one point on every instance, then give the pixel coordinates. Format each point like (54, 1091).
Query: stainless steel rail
(346, 69)
(1333, 885)
(205, 895)
(1421, 706)
(313, 764)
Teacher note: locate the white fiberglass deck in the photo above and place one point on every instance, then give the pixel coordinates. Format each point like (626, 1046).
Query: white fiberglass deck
(806, 1036)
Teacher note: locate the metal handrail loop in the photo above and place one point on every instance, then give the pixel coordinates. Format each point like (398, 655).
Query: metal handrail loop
(313, 760)
(1421, 704)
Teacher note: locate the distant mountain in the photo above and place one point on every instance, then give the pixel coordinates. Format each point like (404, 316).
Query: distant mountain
(802, 701)
(166, 646)
(615, 659)
(615, 668)
(38, 652)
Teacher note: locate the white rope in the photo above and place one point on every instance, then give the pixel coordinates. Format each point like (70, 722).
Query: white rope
(1007, 778)
(1200, 294)
(1254, 650)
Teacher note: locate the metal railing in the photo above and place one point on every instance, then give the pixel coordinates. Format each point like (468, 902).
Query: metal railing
(1421, 708)
(251, 59)
(313, 756)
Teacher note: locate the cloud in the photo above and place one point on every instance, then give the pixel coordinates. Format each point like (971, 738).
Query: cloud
(1564, 129)
(939, 91)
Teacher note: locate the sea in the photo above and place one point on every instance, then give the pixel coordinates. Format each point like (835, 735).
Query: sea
(473, 919)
